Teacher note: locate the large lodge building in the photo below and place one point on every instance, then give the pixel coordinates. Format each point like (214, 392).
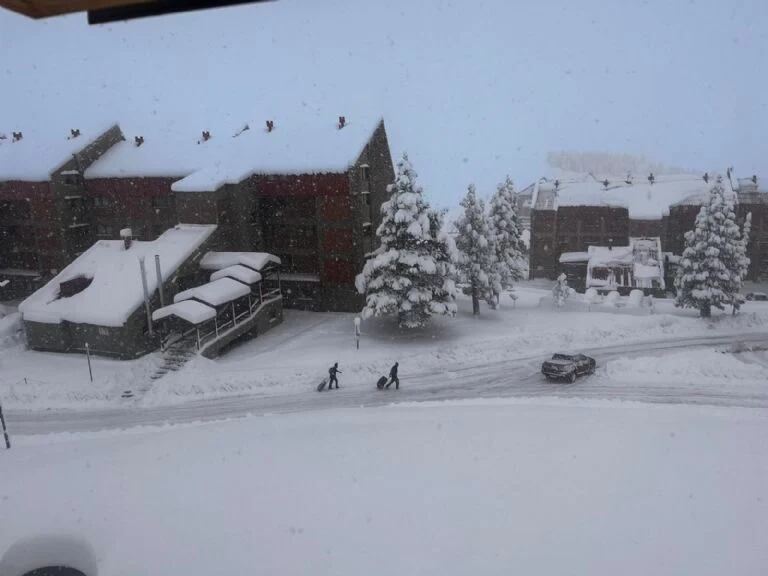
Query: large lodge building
(574, 216)
(306, 191)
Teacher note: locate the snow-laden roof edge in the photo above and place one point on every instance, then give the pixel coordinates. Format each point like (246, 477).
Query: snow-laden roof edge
(115, 290)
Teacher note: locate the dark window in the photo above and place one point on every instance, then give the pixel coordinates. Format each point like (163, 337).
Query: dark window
(15, 210)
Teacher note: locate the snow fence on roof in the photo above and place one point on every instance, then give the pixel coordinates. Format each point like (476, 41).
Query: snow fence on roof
(115, 291)
(254, 260)
(643, 200)
(190, 310)
(296, 145)
(215, 293)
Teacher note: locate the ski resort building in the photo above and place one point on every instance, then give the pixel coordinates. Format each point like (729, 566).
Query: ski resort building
(308, 190)
(44, 214)
(574, 213)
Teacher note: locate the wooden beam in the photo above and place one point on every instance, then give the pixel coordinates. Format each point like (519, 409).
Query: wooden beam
(110, 10)
(46, 8)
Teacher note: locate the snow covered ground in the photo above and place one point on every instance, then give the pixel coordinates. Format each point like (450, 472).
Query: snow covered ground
(293, 357)
(479, 487)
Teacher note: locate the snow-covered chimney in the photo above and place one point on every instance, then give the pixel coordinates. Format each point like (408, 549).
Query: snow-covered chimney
(342, 122)
(127, 235)
(138, 140)
(17, 136)
(206, 135)
(74, 132)
(270, 125)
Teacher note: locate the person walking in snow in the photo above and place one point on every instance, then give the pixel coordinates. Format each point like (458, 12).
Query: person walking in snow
(332, 371)
(393, 377)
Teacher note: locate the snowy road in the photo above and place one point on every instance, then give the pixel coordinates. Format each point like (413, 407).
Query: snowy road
(516, 377)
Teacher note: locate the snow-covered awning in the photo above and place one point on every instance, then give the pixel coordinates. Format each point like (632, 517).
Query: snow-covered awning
(569, 257)
(215, 293)
(192, 311)
(254, 260)
(238, 272)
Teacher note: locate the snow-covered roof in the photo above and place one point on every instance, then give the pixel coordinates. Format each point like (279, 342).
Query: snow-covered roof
(115, 290)
(215, 293)
(567, 257)
(253, 260)
(238, 272)
(644, 201)
(192, 311)
(171, 150)
(296, 145)
(42, 149)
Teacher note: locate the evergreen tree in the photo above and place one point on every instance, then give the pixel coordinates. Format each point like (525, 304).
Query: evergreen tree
(560, 291)
(506, 231)
(476, 251)
(714, 261)
(738, 262)
(410, 274)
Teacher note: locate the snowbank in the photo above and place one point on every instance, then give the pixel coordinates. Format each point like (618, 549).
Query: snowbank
(115, 290)
(694, 369)
(478, 488)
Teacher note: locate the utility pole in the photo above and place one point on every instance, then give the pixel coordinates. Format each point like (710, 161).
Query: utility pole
(159, 280)
(88, 355)
(5, 430)
(146, 296)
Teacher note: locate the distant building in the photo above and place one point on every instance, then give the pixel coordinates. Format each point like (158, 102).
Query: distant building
(572, 214)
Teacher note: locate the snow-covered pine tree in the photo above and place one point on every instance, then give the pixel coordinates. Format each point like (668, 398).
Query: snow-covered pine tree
(560, 291)
(714, 261)
(410, 273)
(476, 251)
(506, 230)
(737, 260)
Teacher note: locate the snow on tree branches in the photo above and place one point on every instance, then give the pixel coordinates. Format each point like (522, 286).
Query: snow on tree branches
(560, 291)
(477, 253)
(505, 230)
(411, 273)
(714, 262)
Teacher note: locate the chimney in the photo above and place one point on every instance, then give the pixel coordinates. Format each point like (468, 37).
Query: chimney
(74, 132)
(17, 136)
(206, 135)
(342, 122)
(127, 235)
(270, 125)
(138, 140)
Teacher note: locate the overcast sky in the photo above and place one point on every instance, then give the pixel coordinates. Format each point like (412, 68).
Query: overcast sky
(472, 90)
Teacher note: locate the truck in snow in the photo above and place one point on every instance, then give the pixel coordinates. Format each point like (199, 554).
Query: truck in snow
(567, 366)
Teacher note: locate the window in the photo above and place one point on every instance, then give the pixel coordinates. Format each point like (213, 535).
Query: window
(366, 198)
(105, 230)
(103, 331)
